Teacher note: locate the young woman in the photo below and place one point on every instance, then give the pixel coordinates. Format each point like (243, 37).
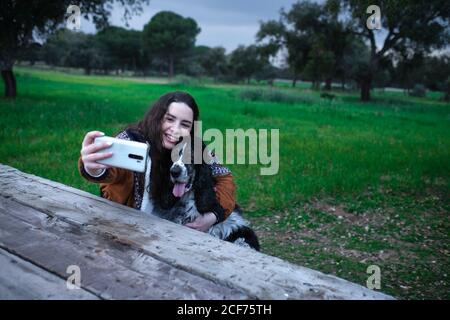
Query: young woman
(170, 118)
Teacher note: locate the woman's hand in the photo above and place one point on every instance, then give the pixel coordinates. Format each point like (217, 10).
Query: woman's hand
(89, 153)
(203, 222)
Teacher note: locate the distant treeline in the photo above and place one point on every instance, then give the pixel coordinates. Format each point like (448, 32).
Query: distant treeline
(115, 50)
(327, 44)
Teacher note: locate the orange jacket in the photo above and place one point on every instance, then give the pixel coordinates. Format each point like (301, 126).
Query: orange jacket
(118, 185)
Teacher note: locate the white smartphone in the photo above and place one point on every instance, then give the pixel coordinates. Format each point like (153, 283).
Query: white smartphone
(129, 155)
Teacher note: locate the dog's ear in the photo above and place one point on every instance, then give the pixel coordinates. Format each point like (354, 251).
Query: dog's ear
(205, 196)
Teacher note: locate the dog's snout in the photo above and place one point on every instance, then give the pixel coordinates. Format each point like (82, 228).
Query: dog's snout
(175, 171)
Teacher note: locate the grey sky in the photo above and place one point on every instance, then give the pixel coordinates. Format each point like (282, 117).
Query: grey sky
(226, 23)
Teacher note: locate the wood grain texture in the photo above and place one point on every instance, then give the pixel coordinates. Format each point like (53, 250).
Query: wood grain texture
(20, 279)
(110, 269)
(139, 245)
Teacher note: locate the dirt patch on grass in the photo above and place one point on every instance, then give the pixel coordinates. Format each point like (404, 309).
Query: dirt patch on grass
(338, 210)
(406, 235)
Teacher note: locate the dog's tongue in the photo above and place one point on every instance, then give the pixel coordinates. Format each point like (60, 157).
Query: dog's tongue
(178, 189)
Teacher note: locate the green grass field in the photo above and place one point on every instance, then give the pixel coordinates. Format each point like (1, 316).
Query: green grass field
(358, 183)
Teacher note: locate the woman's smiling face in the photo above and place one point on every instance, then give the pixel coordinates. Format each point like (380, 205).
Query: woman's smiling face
(177, 122)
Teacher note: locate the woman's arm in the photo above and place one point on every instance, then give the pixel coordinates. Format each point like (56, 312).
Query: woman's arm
(225, 190)
(224, 185)
(116, 184)
(226, 193)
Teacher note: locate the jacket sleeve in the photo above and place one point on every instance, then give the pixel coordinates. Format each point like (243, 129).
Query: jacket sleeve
(225, 193)
(223, 185)
(116, 184)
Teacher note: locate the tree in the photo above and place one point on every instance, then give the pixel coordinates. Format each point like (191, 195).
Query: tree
(56, 47)
(274, 36)
(32, 53)
(416, 69)
(245, 62)
(191, 64)
(422, 25)
(214, 61)
(170, 37)
(314, 38)
(320, 64)
(354, 62)
(21, 20)
(122, 46)
(409, 68)
(437, 72)
(75, 49)
(83, 52)
(267, 72)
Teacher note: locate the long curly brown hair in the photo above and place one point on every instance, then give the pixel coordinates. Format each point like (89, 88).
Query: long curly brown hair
(150, 129)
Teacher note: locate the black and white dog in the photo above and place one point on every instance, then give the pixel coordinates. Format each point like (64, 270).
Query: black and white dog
(193, 186)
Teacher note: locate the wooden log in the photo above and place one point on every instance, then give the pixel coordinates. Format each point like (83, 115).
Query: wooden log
(138, 244)
(20, 279)
(110, 269)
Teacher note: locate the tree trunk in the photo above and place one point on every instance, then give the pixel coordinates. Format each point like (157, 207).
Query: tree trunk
(294, 81)
(365, 89)
(315, 85)
(328, 84)
(10, 83)
(170, 67)
(447, 92)
(366, 79)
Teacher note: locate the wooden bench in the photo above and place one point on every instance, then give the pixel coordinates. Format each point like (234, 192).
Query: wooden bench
(122, 253)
